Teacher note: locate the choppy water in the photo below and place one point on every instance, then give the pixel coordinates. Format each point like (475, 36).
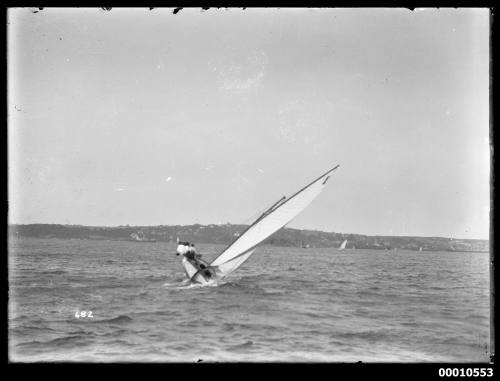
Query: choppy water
(284, 304)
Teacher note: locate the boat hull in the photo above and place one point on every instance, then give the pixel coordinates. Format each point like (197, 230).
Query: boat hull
(199, 274)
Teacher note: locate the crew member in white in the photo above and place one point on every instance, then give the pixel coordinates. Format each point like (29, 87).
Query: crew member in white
(182, 248)
(188, 250)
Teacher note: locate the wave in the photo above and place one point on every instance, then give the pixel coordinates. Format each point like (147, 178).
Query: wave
(119, 319)
(314, 314)
(67, 340)
(276, 292)
(252, 278)
(435, 288)
(183, 286)
(241, 284)
(197, 323)
(187, 285)
(364, 335)
(409, 324)
(60, 341)
(33, 327)
(242, 326)
(119, 342)
(155, 313)
(28, 331)
(157, 278)
(342, 281)
(115, 333)
(53, 272)
(20, 317)
(245, 345)
(177, 283)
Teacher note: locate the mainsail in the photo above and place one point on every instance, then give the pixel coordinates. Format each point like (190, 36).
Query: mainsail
(343, 245)
(280, 214)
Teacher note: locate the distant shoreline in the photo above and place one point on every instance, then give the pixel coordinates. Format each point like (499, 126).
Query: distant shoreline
(334, 249)
(225, 234)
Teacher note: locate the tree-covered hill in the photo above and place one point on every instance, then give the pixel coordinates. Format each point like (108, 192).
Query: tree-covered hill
(224, 234)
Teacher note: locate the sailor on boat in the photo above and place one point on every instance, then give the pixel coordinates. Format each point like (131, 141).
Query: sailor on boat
(182, 248)
(192, 252)
(188, 250)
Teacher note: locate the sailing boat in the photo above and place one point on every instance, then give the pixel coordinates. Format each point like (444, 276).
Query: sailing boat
(343, 245)
(268, 223)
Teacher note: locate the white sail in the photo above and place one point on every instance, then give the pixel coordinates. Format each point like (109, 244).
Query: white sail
(343, 245)
(267, 224)
(233, 264)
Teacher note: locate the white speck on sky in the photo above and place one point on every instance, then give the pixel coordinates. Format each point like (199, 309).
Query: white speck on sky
(241, 107)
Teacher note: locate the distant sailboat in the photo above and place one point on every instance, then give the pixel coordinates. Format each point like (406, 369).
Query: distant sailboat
(343, 245)
(268, 223)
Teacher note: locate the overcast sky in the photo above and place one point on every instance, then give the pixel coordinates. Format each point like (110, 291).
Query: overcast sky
(144, 117)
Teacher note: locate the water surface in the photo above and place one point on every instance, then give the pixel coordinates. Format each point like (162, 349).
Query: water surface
(283, 304)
